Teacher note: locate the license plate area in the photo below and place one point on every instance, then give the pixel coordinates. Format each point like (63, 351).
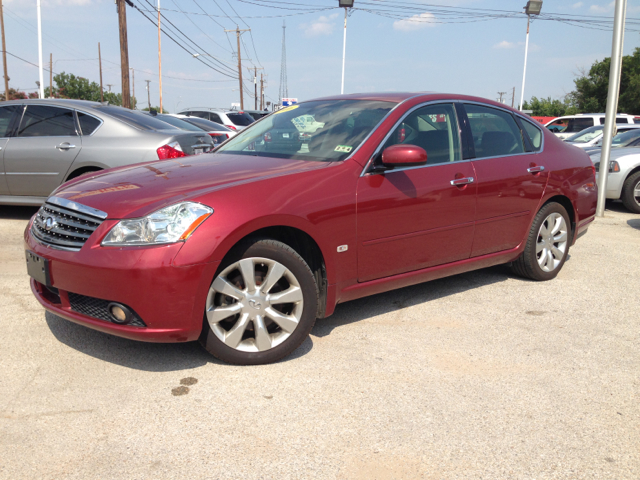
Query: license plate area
(38, 268)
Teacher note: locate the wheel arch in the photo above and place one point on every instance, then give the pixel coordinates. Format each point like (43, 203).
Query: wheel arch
(568, 206)
(76, 172)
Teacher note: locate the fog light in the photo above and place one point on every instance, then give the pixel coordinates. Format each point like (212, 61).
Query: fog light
(119, 313)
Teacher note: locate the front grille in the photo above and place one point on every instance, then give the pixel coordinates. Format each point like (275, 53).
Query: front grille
(97, 308)
(64, 227)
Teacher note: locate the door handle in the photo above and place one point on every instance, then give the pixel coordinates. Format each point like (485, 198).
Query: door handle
(535, 169)
(65, 146)
(461, 181)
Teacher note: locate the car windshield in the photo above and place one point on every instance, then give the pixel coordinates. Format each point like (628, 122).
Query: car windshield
(320, 130)
(623, 139)
(179, 123)
(241, 119)
(207, 125)
(586, 135)
(134, 119)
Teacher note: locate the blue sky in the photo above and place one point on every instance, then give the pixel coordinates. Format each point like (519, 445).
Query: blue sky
(383, 54)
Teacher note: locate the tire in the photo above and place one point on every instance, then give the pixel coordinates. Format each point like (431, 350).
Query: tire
(547, 245)
(631, 193)
(248, 324)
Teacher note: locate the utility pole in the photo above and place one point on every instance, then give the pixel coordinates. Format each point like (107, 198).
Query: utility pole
(124, 53)
(261, 91)
(501, 95)
(133, 87)
(533, 7)
(159, 57)
(100, 62)
(4, 56)
(238, 31)
(41, 84)
(51, 75)
(513, 97)
(255, 83)
(148, 94)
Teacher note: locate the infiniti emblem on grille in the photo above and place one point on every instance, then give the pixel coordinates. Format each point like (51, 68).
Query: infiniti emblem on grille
(254, 304)
(50, 223)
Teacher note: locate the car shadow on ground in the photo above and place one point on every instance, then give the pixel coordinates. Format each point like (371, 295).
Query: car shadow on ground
(159, 357)
(634, 223)
(12, 212)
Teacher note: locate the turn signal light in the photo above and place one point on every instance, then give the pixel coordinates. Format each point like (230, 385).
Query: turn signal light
(172, 150)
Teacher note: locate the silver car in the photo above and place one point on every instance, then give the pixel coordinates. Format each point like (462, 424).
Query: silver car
(623, 180)
(233, 119)
(44, 143)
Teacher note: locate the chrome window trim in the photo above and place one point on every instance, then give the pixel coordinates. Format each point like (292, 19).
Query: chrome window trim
(47, 136)
(407, 113)
(91, 115)
(78, 207)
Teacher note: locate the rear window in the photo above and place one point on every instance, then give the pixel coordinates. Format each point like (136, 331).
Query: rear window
(207, 125)
(619, 120)
(241, 119)
(135, 119)
(179, 123)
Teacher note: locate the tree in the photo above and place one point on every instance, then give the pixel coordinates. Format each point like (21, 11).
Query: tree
(592, 88)
(18, 95)
(70, 86)
(546, 107)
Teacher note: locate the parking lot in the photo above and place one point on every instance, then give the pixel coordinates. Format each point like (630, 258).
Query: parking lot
(481, 375)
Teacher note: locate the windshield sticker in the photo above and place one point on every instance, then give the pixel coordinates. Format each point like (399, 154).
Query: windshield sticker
(343, 149)
(288, 109)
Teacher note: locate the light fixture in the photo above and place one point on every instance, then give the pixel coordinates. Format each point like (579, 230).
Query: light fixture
(345, 3)
(533, 7)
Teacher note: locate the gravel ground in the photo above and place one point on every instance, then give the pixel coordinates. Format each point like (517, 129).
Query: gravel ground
(482, 375)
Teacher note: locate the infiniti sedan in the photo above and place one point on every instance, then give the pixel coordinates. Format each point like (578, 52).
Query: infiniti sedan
(244, 248)
(44, 143)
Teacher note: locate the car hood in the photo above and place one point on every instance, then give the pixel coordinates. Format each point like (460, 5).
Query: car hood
(617, 152)
(137, 190)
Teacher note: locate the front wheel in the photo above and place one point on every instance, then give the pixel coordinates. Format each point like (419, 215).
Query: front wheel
(631, 193)
(261, 305)
(547, 244)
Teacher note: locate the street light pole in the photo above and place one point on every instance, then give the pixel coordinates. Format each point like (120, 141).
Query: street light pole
(346, 4)
(533, 7)
(41, 86)
(612, 101)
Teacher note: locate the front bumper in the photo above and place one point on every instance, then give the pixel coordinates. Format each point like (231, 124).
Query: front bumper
(169, 299)
(614, 184)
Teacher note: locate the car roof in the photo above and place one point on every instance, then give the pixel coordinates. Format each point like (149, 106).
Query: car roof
(211, 109)
(62, 102)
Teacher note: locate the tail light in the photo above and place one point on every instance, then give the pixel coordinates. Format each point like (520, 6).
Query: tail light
(172, 150)
(218, 137)
(267, 137)
(231, 127)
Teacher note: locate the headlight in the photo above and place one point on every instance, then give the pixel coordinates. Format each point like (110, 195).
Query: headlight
(614, 167)
(168, 225)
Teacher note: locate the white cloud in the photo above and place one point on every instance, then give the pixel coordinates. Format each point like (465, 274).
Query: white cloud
(577, 5)
(416, 22)
(505, 44)
(602, 8)
(322, 26)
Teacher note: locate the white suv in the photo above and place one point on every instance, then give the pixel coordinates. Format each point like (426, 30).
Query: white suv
(566, 126)
(232, 119)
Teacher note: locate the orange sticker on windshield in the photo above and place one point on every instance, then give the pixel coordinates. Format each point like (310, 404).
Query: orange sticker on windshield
(287, 109)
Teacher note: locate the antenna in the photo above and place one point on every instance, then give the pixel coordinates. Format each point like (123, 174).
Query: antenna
(284, 90)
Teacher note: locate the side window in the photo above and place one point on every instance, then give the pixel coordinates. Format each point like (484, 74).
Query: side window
(578, 124)
(44, 121)
(214, 117)
(535, 135)
(620, 120)
(434, 128)
(6, 113)
(88, 123)
(494, 131)
(199, 114)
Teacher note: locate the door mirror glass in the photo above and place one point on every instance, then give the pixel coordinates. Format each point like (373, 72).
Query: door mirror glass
(403, 155)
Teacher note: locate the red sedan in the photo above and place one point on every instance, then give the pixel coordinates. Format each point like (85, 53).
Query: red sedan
(322, 202)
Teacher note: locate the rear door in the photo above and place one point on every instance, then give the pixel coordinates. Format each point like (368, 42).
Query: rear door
(7, 117)
(44, 147)
(511, 178)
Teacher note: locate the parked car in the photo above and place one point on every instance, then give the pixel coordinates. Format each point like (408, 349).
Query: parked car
(592, 136)
(232, 119)
(629, 138)
(257, 114)
(219, 133)
(623, 180)
(44, 143)
(566, 126)
(244, 249)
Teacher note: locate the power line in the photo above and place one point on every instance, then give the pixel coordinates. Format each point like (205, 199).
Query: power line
(194, 23)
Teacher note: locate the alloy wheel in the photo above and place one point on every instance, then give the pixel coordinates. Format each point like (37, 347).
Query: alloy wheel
(552, 242)
(254, 304)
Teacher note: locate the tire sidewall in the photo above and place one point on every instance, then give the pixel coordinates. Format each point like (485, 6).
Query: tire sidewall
(533, 240)
(283, 254)
(627, 195)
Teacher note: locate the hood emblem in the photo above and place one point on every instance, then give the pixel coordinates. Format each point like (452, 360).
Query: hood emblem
(50, 223)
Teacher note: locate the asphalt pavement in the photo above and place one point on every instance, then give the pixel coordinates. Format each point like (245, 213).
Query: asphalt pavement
(478, 376)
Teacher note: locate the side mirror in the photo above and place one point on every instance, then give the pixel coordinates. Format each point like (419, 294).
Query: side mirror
(404, 156)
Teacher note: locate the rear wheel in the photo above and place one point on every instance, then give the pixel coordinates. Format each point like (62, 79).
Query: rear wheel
(547, 244)
(261, 305)
(631, 193)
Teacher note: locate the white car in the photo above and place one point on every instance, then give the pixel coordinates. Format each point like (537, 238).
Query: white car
(623, 180)
(592, 136)
(233, 119)
(566, 126)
